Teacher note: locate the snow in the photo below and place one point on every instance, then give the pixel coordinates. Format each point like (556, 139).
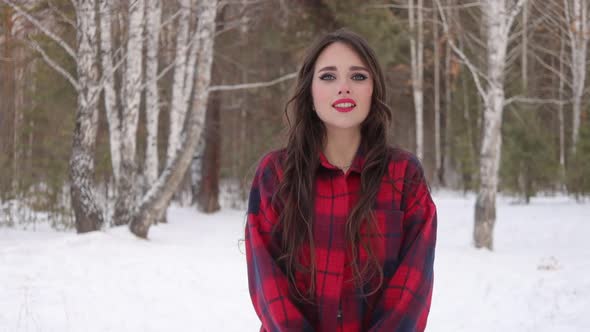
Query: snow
(191, 274)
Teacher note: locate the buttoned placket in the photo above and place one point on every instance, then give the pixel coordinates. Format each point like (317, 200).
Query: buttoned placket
(341, 192)
(341, 200)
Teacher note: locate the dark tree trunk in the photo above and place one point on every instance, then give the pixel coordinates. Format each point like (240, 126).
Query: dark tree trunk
(7, 109)
(208, 196)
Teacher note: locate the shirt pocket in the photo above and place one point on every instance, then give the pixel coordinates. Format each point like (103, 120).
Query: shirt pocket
(385, 238)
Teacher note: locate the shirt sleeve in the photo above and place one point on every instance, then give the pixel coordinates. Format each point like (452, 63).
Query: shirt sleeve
(406, 298)
(269, 287)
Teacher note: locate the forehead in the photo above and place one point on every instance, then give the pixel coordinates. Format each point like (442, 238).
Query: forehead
(339, 55)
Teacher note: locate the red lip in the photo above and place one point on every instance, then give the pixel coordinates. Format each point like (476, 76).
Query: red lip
(344, 109)
(346, 100)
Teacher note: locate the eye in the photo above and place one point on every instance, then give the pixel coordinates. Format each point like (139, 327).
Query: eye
(359, 77)
(327, 77)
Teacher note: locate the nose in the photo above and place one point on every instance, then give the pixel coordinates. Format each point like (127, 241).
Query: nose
(344, 89)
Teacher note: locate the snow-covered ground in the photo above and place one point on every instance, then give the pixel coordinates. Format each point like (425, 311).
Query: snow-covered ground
(191, 274)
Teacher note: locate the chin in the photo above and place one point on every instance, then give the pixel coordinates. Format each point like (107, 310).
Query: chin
(336, 125)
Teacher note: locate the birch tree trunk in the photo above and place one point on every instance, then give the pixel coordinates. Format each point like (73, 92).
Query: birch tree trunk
(110, 96)
(126, 198)
(498, 18)
(152, 97)
(88, 213)
(577, 19)
(560, 110)
(449, 173)
(417, 51)
(437, 145)
(156, 201)
(177, 110)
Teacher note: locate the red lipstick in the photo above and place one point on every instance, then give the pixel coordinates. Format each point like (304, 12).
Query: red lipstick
(345, 105)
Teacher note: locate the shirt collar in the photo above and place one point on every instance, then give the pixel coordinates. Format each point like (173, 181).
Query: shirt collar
(357, 163)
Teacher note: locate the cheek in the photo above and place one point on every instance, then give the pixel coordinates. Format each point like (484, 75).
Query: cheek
(365, 94)
(319, 92)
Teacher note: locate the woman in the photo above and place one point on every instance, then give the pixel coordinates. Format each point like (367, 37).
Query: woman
(341, 227)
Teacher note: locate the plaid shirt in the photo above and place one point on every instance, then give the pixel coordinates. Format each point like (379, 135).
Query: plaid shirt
(406, 223)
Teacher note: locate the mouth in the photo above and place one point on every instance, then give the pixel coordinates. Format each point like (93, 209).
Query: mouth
(344, 105)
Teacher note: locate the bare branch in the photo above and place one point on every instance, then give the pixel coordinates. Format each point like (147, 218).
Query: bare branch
(475, 72)
(426, 9)
(514, 12)
(43, 29)
(34, 45)
(521, 99)
(252, 85)
(160, 75)
(61, 14)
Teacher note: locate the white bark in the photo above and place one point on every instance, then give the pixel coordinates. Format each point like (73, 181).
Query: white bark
(498, 17)
(450, 175)
(177, 109)
(417, 54)
(132, 84)
(577, 22)
(437, 145)
(498, 20)
(88, 213)
(152, 98)
(560, 109)
(110, 96)
(157, 199)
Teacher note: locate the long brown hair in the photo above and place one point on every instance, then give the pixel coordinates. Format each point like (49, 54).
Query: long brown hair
(295, 196)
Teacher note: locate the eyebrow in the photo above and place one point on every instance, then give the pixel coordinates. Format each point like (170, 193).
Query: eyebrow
(333, 68)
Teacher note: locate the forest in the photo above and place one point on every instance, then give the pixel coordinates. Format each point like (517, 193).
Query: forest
(112, 109)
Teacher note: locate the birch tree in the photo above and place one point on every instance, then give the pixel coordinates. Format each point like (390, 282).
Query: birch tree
(130, 114)
(89, 215)
(152, 97)
(155, 202)
(417, 59)
(498, 18)
(177, 108)
(110, 96)
(437, 121)
(576, 13)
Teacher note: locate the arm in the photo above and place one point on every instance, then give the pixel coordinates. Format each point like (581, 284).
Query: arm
(406, 298)
(269, 287)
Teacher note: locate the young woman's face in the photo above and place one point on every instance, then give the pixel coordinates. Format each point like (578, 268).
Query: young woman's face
(341, 88)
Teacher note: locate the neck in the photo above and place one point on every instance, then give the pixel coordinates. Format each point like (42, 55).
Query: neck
(341, 145)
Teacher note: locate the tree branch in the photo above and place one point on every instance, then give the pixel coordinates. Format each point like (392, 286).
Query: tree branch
(252, 85)
(527, 100)
(426, 9)
(43, 29)
(61, 14)
(472, 68)
(34, 45)
(514, 11)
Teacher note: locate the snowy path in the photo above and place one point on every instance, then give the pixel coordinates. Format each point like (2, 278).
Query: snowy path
(191, 274)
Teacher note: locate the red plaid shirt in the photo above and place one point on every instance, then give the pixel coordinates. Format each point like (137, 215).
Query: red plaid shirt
(406, 220)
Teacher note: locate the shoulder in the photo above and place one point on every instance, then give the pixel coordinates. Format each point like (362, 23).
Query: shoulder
(271, 161)
(403, 163)
(270, 169)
